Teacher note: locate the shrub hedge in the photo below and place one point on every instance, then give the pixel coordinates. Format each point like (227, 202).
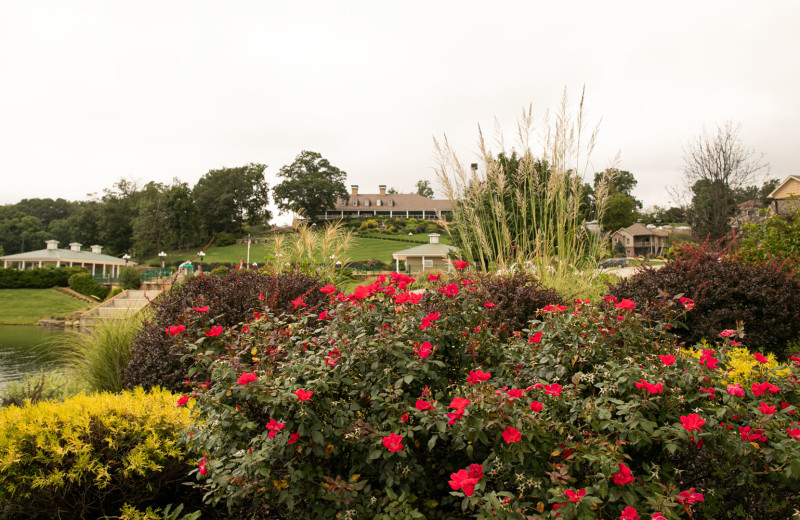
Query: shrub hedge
(85, 284)
(154, 359)
(87, 456)
(375, 405)
(726, 290)
(37, 278)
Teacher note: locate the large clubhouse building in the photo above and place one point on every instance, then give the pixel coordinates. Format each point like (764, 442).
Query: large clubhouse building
(382, 204)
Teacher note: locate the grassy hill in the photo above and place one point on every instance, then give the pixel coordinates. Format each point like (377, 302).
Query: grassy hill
(362, 249)
(28, 306)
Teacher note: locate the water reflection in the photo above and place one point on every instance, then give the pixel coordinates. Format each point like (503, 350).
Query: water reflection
(21, 352)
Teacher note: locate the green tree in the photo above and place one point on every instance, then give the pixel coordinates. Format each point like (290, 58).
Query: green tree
(83, 224)
(620, 212)
(230, 197)
(311, 185)
(184, 221)
(715, 166)
(116, 211)
(19, 231)
(392, 191)
(424, 189)
(775, 237)
(150, 225)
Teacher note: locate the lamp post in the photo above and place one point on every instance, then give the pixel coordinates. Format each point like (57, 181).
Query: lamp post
(162, 255)
(126, 257)
(201, 254)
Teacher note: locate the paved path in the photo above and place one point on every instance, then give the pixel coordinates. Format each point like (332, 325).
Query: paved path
(624, 272)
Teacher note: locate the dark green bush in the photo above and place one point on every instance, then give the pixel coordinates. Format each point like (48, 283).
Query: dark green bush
(155, 357)
(725, 290)
(224, 239)
(220, 271)
(85, 284)
(37, 278)
(130, 277)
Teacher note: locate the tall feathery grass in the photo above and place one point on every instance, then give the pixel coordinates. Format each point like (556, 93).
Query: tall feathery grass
(324, 249)
(98, 355)
(528, 214)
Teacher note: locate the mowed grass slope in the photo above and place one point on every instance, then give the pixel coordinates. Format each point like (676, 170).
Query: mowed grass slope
(28, 306)
(362, 249)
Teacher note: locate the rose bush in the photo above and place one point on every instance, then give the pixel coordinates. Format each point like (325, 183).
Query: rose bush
(369, 408)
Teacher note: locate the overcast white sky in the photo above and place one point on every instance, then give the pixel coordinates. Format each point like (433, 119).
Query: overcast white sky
(91, 92)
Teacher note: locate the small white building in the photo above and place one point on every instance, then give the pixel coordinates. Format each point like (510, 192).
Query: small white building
(97, 263)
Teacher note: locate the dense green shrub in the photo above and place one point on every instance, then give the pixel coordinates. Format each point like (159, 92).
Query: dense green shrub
(368, 224)
(775, 237)
(381, 409)
(726, 290)
(224, 239)
(85, 457)
(220, 271)
(37, 278)
(130, 278)
(85, 284)
(232, 298)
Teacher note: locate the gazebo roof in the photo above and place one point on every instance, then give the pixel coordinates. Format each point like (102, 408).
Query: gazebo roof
(65, 255)
(425, 250)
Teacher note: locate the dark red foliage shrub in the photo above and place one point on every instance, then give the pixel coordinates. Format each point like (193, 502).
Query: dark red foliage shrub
(516, 298)
(726, 290)
(156, 360)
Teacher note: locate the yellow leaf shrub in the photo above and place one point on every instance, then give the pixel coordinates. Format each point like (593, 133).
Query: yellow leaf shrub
(89, 454)
(739, 365)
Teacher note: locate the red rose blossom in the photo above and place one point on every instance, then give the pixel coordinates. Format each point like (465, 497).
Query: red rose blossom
(393, 442)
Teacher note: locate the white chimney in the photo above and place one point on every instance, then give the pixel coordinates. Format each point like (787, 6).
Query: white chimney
(75, 246)
(434, 237)
(51, 244)
(96, 249)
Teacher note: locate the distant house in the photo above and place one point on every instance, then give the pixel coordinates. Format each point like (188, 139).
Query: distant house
(425, 257)
(638, 240)
(96, 262)
(747, 211)
(786, 197)
(382, 204)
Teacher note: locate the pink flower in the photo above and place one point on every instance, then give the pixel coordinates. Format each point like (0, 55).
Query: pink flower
(610, 299)
(536, 406)
(299, 302)
(476, 376)
(261, 297)
(658, 516)
(422, 405)
(182, 400)
(449, 290)
(274, 427)
(625, 304)
(692, 422)
(736, 390)
(554, 308)
(303, 395)
(668, 359)
(629, 513)
(328, 289)
(393, 442)
(428, 320)
(536, 338)
(460, 265)
(623, 476)
(404, 417)
(215, 331)
(574, 496)
(710, 391)
(466, 479)
(293, 437)
(794, 433)
(688, 303)
(516, 393)
(323, 315)
(657, 388)
(767, 409)
(489, 305)
(511, 435)
(424, 350)
(247, 378)
(174, 330)
(554, 389)
(202, 469)
(204, 308)
(689, 497)
(459, 403)
(760, 358)
(727, 333)
(433, 277)
(761, 388)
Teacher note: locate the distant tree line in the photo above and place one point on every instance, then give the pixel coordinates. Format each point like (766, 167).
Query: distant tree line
(142, 220)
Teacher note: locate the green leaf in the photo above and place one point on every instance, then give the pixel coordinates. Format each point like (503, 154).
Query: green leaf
(432, 442)
(317, 436)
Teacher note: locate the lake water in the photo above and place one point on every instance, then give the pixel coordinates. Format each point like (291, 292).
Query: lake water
(19, 355)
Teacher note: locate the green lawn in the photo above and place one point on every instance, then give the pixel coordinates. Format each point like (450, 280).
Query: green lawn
(362, 249)
(28, 306)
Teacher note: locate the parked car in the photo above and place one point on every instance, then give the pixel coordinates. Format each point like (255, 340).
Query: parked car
(613, 262)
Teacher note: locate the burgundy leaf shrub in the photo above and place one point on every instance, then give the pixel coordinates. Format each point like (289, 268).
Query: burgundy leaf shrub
(155, 360)
(726, 290)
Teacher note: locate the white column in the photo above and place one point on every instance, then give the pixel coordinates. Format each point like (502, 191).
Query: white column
(423, 214)
(104, 270)
(423, 258)
(406, 213)
(93, 266)
(58, 263)
(397, 264)
(70, 263)
(40, 264)
(23, 265)
(5, 264)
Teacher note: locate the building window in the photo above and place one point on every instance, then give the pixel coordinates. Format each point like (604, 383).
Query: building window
(427, 264)
(628, 240)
